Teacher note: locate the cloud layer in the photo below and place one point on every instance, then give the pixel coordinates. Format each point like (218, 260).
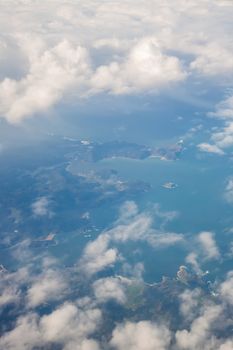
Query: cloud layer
(69, 50)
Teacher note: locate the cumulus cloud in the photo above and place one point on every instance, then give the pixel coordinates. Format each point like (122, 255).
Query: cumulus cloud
(208, 245)
(97, 255)
(110, 288)
(38, 282)
(192, 259)
(67, 326)
(9, 295)
(208, 63)
(145, 68)
(203, 248)
(189, 302)
(69, 322)
(200, 334)
(48, 286)
(226, 288)
(87, 48)
(206, 147)
(224, 109)
(51, 72)
(134, 226)
(139, 226)
(135, 229)
(41, 207)
(143, 335)
(136, 271)
(11, 284)
(223, 136)
(128, 209)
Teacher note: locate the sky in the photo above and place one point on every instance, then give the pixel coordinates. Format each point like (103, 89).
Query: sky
(65, 55)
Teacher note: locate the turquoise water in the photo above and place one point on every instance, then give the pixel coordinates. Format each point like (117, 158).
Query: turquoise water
(199, 196)
(198, 200)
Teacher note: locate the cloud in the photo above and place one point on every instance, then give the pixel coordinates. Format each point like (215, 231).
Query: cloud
(224, 109)
(9, 295)
(11, 285)
(133, 226)
(38, 282)
(208, 245)
(192, 259)
(109, 288)
(226, 288)
(97, 255)
(200, 336)
(139, 227)
(228, 193)
(206, 147)
(228, 345)
(189, 303)
(203, 248)
(82, 49)
(211, 64)
(48, 286)
(145, 68)
(51, 73)
(143, 335)
(67, 326)
(223, 136)
(136, 271)
(165, 239)
(128, 209)
(41, 207)
(69, 322)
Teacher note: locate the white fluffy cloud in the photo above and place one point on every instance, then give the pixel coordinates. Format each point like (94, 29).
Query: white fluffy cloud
(143, 335)
(224, 109)
(11, 284)
(109, 288)
(192, 259)
(208, 245)
(139, 227)
(51, 72)
(133, 226)
(200, 335)
(97, 255)
(203, 248)
(41, 207)
(223, 136)
(206, 147)
(8, 295)
(189, 302)
(67, 326)
(145, 68)
(48, 286)
(72, 48)
(226, 288)
(210, 59)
